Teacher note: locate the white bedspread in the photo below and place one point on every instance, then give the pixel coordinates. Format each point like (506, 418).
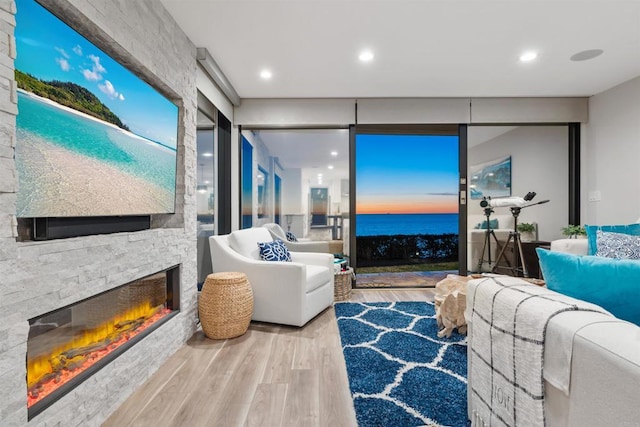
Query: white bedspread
(509, 320)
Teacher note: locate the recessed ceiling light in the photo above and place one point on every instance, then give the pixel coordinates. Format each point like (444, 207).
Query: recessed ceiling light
(587, 54)
(334, 153)
(528, 56)
(330, 167)
(365, 56)
(207, 154)
(265, 74)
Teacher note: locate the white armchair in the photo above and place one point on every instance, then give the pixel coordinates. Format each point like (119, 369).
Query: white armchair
(289, 293)
(301, 246)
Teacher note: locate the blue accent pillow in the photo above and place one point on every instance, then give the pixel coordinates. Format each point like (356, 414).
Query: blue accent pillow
(274, 251)
(632, 229)
(291, 237)
(617, 245)
(613, 284)
(493, 223)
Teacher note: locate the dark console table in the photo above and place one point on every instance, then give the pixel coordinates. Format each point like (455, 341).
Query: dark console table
(506, 264)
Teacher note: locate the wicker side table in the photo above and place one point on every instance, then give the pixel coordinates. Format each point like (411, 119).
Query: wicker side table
(342, 285)
(226, 305)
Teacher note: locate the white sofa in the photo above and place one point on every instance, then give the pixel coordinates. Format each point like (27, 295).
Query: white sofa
(604, 369)
(304, 245)
(578, 246)
(289, 293)
(476, 238)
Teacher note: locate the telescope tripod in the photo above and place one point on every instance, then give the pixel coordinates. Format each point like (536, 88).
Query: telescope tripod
(518, 259)
(486, 247)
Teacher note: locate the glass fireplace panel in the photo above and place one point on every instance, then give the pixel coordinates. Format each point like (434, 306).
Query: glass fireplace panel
(68, 345)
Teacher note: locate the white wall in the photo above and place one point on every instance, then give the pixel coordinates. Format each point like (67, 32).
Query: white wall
(611, 144)
(539, 162)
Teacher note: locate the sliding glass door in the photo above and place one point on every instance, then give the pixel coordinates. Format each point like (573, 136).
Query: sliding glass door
(407, 215)
(299, 179)
(205, 192)
(513, 161)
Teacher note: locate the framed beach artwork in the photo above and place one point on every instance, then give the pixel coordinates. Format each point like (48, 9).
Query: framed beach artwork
(92, 138)
(490, 179)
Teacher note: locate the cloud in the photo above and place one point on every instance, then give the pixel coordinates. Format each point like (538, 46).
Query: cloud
(63, 63)
(91, 75)
(97, 66)
(28, 41)
(96, 71)
(77, 50)
(111, 91)
(62, 52)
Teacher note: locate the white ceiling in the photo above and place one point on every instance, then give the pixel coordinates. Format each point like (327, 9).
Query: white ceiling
(427, 48)
(310, 150)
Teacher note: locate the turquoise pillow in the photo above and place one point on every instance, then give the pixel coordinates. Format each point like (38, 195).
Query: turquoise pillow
(633, 229)
(613, 284)
(493, 223)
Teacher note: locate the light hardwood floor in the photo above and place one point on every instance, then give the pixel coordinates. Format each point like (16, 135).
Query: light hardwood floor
(271, 376)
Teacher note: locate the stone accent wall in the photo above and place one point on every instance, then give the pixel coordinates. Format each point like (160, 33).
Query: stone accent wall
(37, 277)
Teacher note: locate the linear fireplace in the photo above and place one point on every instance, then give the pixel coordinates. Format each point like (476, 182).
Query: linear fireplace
(67, 346)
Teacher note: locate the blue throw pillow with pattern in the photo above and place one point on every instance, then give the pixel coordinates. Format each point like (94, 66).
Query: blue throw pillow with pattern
(631, 229)
(291, 237)
(274, 251)
(617, 245)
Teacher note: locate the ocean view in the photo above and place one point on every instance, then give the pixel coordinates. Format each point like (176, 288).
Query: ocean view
(99, 160)
(409, 224)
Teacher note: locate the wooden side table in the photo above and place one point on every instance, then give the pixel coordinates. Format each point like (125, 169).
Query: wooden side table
(529, 255)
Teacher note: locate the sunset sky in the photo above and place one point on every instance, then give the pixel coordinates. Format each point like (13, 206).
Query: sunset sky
(406, 174)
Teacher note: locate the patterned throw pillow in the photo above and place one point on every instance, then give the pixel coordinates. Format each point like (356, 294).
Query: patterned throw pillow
(617, 245)
(632, 229)
(291, 237)
(274, 251)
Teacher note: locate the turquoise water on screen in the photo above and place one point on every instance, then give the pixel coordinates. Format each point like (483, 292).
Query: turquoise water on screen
(142, 158)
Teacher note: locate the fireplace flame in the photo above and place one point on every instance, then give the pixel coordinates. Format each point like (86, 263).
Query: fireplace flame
(48, 372)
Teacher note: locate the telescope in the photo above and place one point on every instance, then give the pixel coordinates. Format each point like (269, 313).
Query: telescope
(510, 202)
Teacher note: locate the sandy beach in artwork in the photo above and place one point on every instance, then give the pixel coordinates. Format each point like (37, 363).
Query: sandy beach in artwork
(70, 184)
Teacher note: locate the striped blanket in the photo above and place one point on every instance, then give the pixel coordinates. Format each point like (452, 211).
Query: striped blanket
(509, 319)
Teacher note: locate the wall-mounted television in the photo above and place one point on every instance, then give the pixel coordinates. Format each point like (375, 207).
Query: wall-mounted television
(93, 139)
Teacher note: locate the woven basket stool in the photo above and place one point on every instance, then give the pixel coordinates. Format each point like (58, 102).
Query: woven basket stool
(342, 285)
(226, 305)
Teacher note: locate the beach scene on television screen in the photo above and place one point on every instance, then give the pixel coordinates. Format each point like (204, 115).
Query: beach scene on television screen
(92, 138)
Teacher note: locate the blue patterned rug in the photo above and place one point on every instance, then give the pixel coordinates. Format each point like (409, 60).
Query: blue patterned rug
(400, 372)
